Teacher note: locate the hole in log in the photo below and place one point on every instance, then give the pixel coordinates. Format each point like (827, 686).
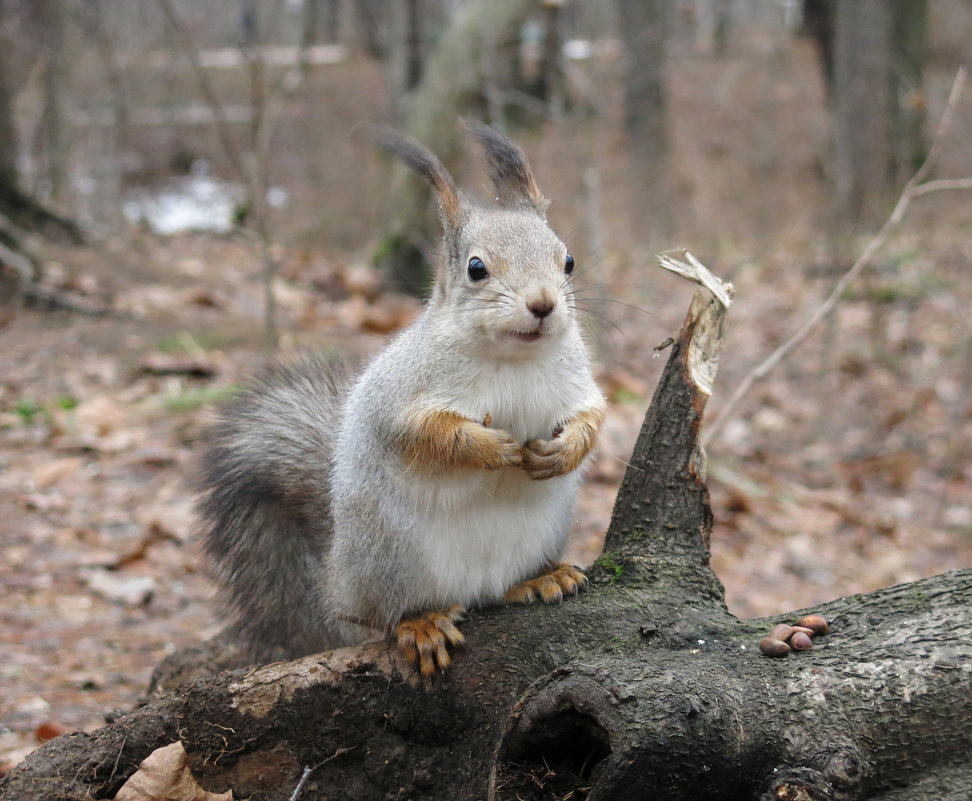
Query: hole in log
(557, 758)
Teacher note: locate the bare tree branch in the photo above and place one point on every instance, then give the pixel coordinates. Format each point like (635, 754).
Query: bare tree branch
(942, 185)
(916, 187)
(191, 52)
(252, 168)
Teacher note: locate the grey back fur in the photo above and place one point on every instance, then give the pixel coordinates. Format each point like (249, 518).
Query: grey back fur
(265, 505)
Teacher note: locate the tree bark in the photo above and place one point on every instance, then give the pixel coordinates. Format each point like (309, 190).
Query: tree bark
(55, 17)
(15, 205)
(644, 29)
(861, 130)
(372, 26)
(643, 687)
(406, 56)
(906, 100)
(818, 24)
(8, 130)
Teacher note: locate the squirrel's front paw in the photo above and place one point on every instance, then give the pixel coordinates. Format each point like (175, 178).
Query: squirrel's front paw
(444, 439)
(544, 458)
(564, 452)
(424, 638)
(547, 458)
(508, 452)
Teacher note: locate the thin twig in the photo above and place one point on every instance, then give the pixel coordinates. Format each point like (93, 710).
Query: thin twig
(942, 185)
(114, 770)
(191, 52)
(916, 187)
(253, 168)
(300, 785)
(309, 770)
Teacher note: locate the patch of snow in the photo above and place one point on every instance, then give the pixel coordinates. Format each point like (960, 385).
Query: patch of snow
(195, 202)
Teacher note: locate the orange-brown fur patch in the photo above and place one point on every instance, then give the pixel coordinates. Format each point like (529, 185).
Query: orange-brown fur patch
(441, 438)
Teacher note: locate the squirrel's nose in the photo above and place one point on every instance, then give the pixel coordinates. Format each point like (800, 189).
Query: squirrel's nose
(541, 308)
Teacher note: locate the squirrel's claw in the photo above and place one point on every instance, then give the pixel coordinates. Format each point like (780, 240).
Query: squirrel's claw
(563, 579)
(423, 639)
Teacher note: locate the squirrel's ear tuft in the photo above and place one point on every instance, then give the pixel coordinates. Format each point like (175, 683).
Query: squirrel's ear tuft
(508, 169)
(421, 159)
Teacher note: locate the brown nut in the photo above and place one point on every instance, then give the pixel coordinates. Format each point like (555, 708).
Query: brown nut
(805, 630)
(816, 622)
(801, 642)
(773, 647)
(781, 632)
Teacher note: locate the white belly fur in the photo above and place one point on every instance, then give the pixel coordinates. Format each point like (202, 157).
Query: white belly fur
(480, 533)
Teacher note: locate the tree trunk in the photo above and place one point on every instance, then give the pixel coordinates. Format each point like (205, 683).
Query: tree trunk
(22, 210)
(642, 687)
(861, 130)
(309, 22)
(55, 18)
(8, 130)
(547, 84)
(908, 49)
(818, 24)
(407, 55)
(332, 20)
(713, 21)
(905, 24)
(644, 27)
(372, 25)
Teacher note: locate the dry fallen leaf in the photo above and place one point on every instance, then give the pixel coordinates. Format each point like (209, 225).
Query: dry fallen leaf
(52, 472)
(118, 586)
(165, 776)
(391, 315)
(48, 730)
(99, 416)
(364, 281)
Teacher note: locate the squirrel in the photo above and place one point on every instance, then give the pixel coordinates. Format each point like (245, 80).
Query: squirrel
(443, 476)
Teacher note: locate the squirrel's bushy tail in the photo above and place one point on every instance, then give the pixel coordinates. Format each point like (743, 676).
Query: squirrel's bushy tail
(265, 506)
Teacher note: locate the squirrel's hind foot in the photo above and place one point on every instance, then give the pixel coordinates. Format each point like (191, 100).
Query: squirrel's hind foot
(424, 638)
(551, 587)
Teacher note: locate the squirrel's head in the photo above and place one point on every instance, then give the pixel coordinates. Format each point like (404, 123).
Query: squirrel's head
(503, 282)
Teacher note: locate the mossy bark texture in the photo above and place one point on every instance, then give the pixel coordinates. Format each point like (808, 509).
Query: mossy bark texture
(642, 687)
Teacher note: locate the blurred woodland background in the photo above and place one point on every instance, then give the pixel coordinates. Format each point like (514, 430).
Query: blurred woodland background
(183, 182)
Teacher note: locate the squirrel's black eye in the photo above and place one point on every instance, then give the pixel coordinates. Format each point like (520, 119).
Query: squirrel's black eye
(569, 264)
(477, 270)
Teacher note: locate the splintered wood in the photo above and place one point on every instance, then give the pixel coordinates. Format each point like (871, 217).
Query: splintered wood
(708, 318)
